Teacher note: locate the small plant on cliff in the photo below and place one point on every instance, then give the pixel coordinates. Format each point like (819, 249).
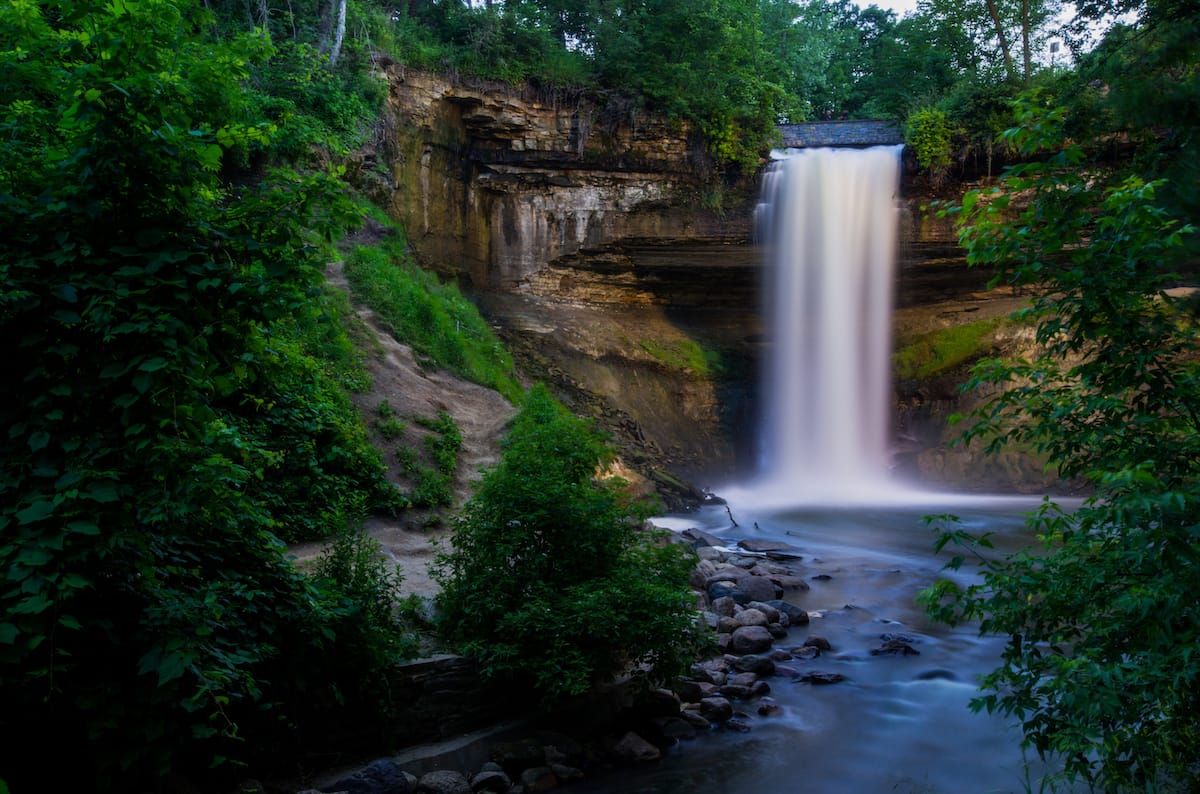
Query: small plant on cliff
(551, 582)
(928, 132)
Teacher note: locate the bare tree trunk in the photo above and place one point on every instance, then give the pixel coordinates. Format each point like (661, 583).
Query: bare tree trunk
(1026, 58)
(340, 34)
(1004, 48)
(264, 18)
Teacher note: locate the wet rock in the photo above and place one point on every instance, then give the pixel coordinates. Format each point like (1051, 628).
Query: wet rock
(785, 670)
(789, 582)
(818, 642)
(937, 675)
(750, 639)
(520, 754)
(822, 577)
(763, 545)
(688, 691)
(736, 691)
(693, 717)
(659, 703)
(821, 678)
(716, 709)
(738, 724)
(701, 538)
(778, 630)
(443, 782)
(757, 588)
(766, 706)
(895, 647)
(806, 652)
(634, 748)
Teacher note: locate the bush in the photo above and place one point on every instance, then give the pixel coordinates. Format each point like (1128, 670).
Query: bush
(550, 581)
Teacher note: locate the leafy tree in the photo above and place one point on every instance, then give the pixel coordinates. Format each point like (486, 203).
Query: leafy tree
(550, 582)
(1101, 668)
(157, 405)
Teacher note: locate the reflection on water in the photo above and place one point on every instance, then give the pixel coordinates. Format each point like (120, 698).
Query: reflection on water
(897, 724)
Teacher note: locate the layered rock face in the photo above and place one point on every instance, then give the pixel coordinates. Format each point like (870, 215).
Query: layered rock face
(492, 184)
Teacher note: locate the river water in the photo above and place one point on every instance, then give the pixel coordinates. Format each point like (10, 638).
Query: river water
(896, 724)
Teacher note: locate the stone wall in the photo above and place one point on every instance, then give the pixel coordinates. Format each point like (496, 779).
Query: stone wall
(869, 132)
(442, 697)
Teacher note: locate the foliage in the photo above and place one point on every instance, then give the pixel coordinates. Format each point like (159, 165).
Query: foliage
(939, 351)
(550, 582)
(434, 319)
(685, 355)
(1100, 668)
(160, 407)
(928, 132)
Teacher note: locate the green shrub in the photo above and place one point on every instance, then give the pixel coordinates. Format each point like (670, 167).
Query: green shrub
(685, 356)
(928, 131)
(550, 581)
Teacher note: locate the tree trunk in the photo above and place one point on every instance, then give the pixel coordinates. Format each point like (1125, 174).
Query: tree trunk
(1026, 58)
(1004, 48)
(340, 34)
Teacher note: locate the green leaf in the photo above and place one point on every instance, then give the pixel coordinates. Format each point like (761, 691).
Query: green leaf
(8, 633)
(35, 512)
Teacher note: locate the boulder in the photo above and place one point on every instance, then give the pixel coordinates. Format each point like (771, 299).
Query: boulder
(491, 780)
(796, 615)
(443, 781)
(376, 777)
(751, 617)
(819, 643)
(771, 612)
(821, 678)
(760, 666)
(716, 709)
(634, 748)
(750, 639)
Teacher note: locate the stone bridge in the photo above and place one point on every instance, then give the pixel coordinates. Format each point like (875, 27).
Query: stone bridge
(869, 132)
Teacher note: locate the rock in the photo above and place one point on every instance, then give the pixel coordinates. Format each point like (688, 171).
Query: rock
(818, 642)
(757, 588)
(784, 554)
(736, 692)
(539, 778)
(751, 617)
(822, 577)
(727, 625)
(784, 670)
(710, 619)
(778, 630)
(375, 778)
(806, 652)
(771, 613)
(443, 781)
(760, 666)
(491, 780)
(738, 724)
(763, 545)
(677, 728)
(726, 607)
(796, 615)
(688, 691)
(766, 706)
(724, 642)
(701, 538)
(716, 709)
(895, 647)
(789, 581)
(634, 748)
(694, 718)
(821, 678)
(659, 703)
(750, 639)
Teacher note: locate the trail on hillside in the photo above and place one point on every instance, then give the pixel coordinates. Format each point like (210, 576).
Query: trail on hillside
(411, 539)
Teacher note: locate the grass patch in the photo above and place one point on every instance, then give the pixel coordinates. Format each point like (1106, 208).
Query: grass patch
(934, 353)
(686, 356)
(443, 328)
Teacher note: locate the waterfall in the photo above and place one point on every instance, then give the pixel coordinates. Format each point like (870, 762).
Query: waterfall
(828, 221)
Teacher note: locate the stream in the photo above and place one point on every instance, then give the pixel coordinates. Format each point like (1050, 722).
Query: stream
(897, 723)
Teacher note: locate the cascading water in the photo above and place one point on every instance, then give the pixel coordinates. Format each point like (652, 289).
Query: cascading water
(828, 219)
